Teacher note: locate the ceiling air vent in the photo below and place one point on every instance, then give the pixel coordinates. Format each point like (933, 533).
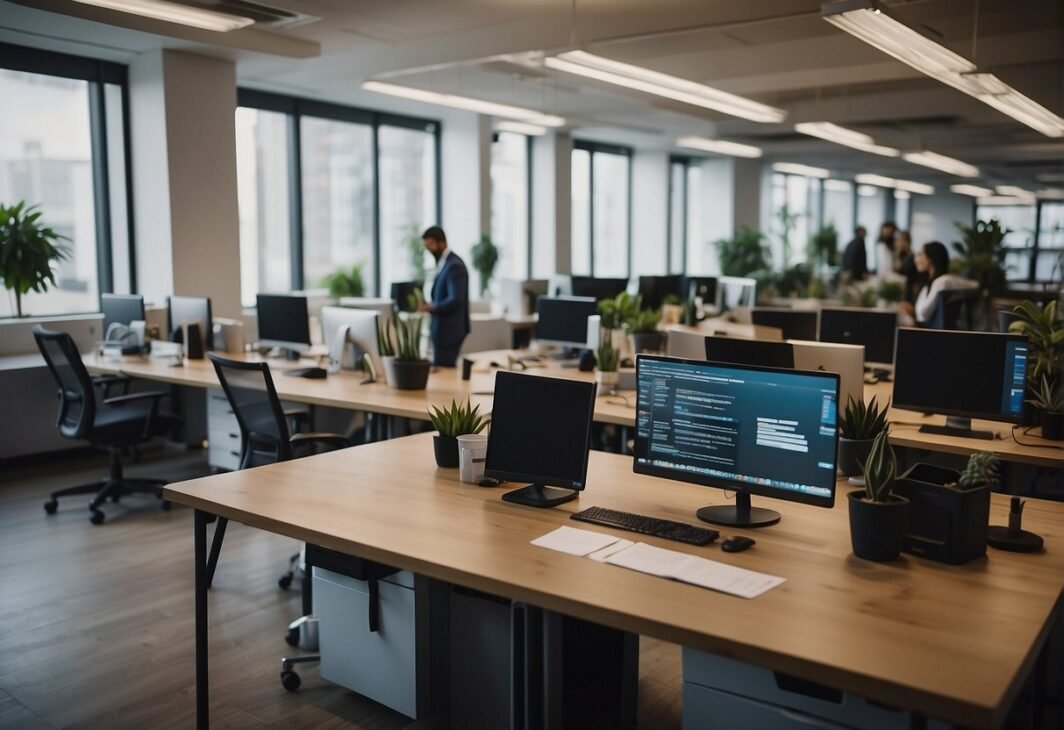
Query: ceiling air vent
(265, 16)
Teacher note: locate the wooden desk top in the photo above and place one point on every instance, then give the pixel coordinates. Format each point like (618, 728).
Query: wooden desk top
(953, 642)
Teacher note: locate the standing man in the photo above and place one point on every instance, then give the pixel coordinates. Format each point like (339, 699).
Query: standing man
(854, 258)
(450, 299)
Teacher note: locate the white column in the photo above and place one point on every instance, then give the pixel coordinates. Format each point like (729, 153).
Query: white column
(551, 204)
(466, 178)
(650, 212)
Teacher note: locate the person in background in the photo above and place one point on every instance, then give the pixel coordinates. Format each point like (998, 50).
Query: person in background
(854, 258)
(885, 251)
(905, 264)
(933, 260)
(450, 300)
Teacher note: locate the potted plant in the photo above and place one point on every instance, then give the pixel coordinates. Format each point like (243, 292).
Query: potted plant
(28, 249)
(386, 347)
(1049, 399)
(613, 314)
(450, 423)
(411, 370)
(1045, 342)
(824, 246)
(690, 312)
(671, 309)
(345, 282)
(981, 255)
(644, 332)
(890, 292)
(743, 253)
(860, 424)
(607, 358)
(485, 258)
(878, 517)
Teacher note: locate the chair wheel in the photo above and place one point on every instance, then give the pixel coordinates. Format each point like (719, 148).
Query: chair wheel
(291, 637)
(165, 505)
(97, 517)
(285, 581)
(290, 680)
(51, 506)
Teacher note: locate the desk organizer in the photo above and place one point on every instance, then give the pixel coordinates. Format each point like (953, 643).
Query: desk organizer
(945, 524)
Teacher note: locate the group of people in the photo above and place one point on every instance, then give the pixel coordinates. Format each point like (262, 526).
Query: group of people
(923, 273)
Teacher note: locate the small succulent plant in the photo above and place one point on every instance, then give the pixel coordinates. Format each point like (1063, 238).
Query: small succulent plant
(607, 356)
(862, 421)
(982, 469)
(880, 469)
(457, 420)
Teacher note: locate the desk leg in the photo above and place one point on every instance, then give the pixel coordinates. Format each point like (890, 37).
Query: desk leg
(202, 700)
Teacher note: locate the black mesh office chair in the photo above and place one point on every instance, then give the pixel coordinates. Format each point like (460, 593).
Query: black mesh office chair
(123, 422)
(955, 309)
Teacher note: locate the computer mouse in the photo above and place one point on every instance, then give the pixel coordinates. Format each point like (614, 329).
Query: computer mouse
(737, 543)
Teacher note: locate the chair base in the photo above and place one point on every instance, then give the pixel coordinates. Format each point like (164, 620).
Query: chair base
(289, 679)
(114, 488)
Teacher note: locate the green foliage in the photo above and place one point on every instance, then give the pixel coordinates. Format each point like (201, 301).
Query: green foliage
(458, 420)
(891, 291)
(743, 253)
(982, 255)
(818, 289)
(824, 245)
(607, 356)
(644, 321)
(416, 248)
(671, 299)
(880, 469)
(414, 300)
(1048, 396)
(485, 258)
(615, 312)
(982, 469)
(795, 281)
(862, 421)
(408, 339)
(345, 282)
(788, 222)
(1045, 336)
(27, 251)
(690, 312)
(385, 341)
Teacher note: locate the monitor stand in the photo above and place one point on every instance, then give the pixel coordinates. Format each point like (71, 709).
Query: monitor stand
(958, 426)
(565, 353)
(537, 495)
(740, 514)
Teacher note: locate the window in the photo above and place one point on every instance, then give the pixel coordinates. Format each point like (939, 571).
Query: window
(1049, 264)
(795, 217)
(1020, 220)
(63, 149)
(838, 208)
(324, 186)
(685, 214)
(510, 191)
(601, 221)
(903, 209)
(871, 213)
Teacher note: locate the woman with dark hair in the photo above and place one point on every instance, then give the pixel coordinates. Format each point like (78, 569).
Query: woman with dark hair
(933, 260)
(885, 251)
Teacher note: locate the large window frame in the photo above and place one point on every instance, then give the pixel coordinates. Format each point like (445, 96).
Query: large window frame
(295, 108)
(1041, 239)
(593, 148)
(684, 162)
(98, 74)
(528, 196)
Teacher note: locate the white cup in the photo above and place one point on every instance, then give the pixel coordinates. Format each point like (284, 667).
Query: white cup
(472, 450)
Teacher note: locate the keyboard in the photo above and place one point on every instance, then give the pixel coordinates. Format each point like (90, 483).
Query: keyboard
(678, 531)
(313, 373)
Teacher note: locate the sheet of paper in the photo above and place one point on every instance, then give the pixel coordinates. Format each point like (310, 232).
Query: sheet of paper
(601, 555)
(574, 542)
(694, 570)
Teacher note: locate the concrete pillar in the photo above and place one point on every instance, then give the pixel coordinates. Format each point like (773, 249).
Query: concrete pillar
(552, 204)
(465, 151)
(650, 212)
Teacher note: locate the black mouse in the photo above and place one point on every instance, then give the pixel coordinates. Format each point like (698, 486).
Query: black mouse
(737, 543)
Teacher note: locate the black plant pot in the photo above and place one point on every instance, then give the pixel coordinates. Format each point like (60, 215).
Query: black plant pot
(1031, 415)
(446, 448)
(648, 342)
(411, 375)
(853, 453)
(1053, 425)
(877, 529)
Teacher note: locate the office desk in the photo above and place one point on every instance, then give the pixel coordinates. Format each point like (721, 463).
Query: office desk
(951, 642)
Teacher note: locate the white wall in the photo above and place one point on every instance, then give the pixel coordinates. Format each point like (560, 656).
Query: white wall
(465, 176)
(933, 217)
(650, 212)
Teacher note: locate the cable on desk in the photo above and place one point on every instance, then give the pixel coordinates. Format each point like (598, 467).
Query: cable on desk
(1029, 444)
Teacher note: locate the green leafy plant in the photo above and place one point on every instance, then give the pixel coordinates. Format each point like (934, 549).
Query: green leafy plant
(981, 469)
(416, 248)
(795, 281)
(458, 420)
(880, 469)
(743, 253)
(824, 245)
(981, 255)
(891, 291)
(615, 312)
(608, 357)
(644, 321)
(385, 341)
(690, 312)
(28, 249)
(862, 421)
(1048, 396)
(788, 222)
(1045, 338)
(818, 289)
(672, 300)
(485, 258)
(345, 282)
(414, 300)
(408, 339)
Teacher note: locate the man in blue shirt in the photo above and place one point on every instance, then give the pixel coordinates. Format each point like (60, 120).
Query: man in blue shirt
(450, 299)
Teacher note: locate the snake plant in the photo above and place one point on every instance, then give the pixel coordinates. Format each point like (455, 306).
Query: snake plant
(880, 469)
(861, 421)
(458, 419)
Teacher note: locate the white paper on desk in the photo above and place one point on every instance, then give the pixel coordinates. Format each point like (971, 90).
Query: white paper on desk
(601, 556)
(694, 570)
(574, 542)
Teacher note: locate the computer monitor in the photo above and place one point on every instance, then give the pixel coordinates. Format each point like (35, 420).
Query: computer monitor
(384, 308)
(190, 310)
(756, 430)
(519, 296)
(703, 287)
(598, 288)
(962, 375)
(749, 352)
(654, 289)
(540, 433)
(735, 291)
(283, 322)
(563, 320)
(351, 333)
(560, 285)
(401, 292)
(831, 357)
(120, 309)
(796, 324)
(875, 329)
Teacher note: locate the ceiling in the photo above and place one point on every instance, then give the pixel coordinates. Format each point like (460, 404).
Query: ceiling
(776, 51)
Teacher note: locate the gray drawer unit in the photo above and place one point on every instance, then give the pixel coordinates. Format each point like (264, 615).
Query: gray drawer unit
(223, 432)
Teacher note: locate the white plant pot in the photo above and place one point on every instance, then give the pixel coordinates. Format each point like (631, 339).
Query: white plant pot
(388, 365)
(607, 380)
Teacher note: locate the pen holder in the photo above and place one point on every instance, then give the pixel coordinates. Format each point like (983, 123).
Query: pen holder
(472, 451)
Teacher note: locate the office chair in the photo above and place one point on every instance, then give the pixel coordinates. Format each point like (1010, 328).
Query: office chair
(124, 422)
(955, 309)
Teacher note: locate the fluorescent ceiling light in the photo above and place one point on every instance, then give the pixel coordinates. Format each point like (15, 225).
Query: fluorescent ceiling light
(839, 186)
(911, 186)
(175, 13)
(867, 191)
(532, 130)
(974, 190)
(793, 168)
(848, 137)
(659, 84)
(1051, 194)
(1004, 200)
(869, 21)
(1014, 191)
(464, 102)
(867, 179)
(942, 163)
(902, 195)
(719, 146)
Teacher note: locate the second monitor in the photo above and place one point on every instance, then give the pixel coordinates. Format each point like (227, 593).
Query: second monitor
(563, 320)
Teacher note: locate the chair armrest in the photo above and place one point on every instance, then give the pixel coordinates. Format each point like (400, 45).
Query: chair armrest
(108, 379)
(333, 440)
(299, 414)
(120, 399)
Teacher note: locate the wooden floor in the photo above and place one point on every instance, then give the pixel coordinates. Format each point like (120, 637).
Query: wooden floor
(96, 622)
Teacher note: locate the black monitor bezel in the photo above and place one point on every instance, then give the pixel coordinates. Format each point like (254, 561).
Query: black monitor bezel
(785, 311)
(859, 311)
(618, 285)
(655, 285)
(565, 343)
(208, 336)
(125, 299)
(743, 341)
(306, 312)
(749, 488)
(999, 417)
(513, 476)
